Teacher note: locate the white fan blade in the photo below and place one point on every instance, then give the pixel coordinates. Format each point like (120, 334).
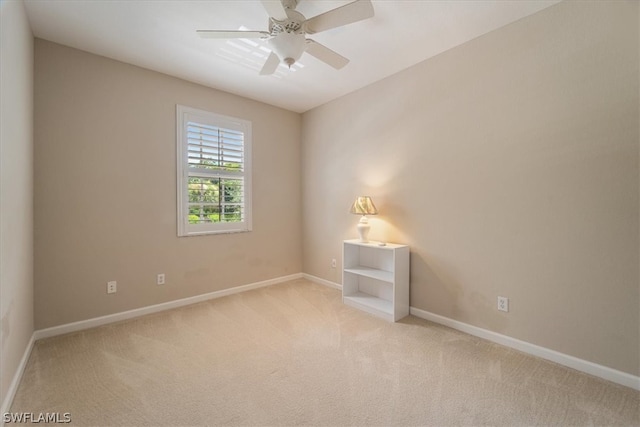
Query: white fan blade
(271, 65)
(275, 9)
(325, 54)
(347, 14)
(224, 34)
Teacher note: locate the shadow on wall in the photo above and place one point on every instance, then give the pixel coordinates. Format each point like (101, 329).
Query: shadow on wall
(434, 281)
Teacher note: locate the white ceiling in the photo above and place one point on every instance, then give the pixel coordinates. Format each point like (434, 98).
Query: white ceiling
(160, 35)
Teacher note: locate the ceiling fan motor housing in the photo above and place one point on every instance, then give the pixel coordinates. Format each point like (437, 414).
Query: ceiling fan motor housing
(293, 23)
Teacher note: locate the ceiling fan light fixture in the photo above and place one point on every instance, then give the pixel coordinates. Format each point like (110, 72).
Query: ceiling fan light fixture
(288, 46)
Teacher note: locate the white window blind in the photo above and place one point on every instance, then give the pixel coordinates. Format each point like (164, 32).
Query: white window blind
(214, 166)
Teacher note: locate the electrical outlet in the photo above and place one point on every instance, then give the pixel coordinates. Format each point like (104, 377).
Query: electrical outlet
(112, 287)
(503, 304)
(333, 263)
(160, 279)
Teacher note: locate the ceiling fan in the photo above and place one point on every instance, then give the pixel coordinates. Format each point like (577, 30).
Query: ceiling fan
(287, 29)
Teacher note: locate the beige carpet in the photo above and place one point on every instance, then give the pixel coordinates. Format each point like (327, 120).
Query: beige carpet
(293, 354)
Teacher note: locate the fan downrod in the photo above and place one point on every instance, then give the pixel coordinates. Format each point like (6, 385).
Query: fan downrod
(290, 4)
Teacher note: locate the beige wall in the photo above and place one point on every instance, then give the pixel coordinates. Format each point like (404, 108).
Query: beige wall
(16, 190)
(105, 190)
(510, 165)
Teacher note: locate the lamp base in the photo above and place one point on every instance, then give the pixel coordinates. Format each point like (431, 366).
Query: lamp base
(363, 229)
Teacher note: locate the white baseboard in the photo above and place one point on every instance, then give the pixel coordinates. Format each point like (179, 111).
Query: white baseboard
(124, 315)
(13, 387)
(320, 281)
(591, 368)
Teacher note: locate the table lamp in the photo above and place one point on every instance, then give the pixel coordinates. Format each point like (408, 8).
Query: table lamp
(364, 206)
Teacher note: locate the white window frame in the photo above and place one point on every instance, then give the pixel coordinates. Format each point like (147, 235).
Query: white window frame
(184, 115)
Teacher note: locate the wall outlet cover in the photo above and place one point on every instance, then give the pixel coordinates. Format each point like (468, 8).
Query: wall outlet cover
(503, 304)
(112, 287)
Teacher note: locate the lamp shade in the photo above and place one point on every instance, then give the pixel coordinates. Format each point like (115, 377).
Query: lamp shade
(363, 206)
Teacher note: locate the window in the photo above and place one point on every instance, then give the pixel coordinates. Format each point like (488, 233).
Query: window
(214, 173)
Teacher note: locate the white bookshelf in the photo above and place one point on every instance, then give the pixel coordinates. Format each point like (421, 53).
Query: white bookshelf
(375, 278)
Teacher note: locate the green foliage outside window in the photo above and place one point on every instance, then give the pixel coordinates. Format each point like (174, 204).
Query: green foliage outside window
(214, 200)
